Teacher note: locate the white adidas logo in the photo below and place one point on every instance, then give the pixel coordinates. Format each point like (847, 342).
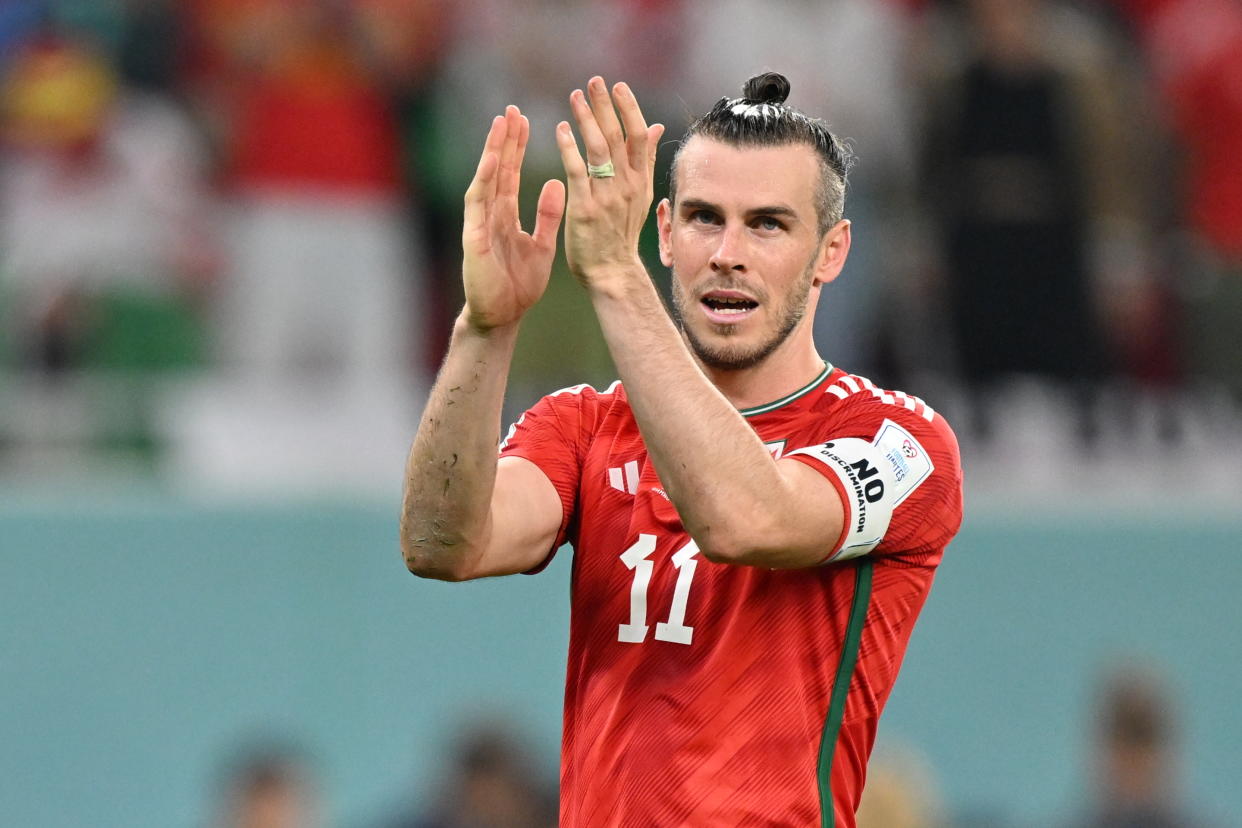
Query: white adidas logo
(624, 478)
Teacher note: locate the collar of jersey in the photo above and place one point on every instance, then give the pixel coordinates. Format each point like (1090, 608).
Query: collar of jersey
(783, 401)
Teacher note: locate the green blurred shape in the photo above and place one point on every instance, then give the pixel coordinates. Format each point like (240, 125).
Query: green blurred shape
(135, 331)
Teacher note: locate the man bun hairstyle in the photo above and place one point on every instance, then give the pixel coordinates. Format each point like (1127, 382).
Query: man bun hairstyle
(770, 87)
(761, 118)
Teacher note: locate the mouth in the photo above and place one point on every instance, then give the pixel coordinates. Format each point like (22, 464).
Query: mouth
(727, 307)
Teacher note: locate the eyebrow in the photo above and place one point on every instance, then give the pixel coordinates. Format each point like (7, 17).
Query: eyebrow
(769, 210)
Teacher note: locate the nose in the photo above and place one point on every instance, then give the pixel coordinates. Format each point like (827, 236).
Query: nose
(730, 254)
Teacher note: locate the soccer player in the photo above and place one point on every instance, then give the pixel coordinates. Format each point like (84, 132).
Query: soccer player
(754, 529)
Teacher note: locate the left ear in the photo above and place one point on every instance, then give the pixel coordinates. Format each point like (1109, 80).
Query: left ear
(833, 248)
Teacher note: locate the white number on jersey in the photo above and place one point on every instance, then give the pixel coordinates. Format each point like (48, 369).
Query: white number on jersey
(674, 629)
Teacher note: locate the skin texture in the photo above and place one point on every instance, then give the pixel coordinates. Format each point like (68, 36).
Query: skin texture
(745, 220)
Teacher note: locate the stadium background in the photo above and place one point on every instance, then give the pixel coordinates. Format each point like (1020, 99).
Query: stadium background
(228, 263)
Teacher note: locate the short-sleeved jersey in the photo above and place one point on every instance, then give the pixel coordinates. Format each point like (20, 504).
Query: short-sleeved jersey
(707, 694)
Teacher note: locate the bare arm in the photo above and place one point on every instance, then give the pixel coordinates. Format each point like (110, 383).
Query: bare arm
(463, 514)
(737, 502)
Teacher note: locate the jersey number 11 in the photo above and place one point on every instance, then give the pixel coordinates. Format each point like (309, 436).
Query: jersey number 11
(675, 629)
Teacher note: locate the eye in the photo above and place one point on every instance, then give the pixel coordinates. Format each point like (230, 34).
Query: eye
(702, 217)
(769, 223)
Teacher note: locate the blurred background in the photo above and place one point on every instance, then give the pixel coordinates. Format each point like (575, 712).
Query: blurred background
(229, 262)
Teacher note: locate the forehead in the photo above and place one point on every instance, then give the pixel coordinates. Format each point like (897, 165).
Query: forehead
(747, 176)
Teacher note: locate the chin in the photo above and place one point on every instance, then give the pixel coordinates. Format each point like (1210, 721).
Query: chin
(726, 353)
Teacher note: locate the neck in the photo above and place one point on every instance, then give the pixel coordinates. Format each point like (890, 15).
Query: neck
(790, 367)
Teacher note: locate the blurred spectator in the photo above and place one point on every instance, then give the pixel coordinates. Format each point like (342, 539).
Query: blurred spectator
(325, 278)
(1034, 165)
(1195, 50)
(269, 788)
(150, 48)
(900, 793)
(493, 783)
(1136, 764)
(104, 244)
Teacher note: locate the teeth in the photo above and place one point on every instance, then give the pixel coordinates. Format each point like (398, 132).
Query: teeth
(728, 305)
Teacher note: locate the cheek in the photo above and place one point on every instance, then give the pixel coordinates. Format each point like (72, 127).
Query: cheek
(680, 286)
(686, 255)
(681, 248)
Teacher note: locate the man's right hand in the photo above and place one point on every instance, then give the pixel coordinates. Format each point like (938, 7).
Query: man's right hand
(505, 269)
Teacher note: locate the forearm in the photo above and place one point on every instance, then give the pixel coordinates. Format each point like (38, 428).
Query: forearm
(451, 470)
(711, 463)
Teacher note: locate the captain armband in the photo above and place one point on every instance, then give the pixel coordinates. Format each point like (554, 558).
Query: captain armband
(876, 476)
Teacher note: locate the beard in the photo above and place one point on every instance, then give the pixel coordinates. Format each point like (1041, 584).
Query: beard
(737, 356)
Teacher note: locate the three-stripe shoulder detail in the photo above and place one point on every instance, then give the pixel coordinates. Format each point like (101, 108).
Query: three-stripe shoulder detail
(851, 384)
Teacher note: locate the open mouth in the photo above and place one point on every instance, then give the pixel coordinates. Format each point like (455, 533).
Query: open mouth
(726, 306)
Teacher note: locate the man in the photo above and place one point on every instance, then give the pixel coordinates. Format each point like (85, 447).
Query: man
(1136, 756)
(754, 530)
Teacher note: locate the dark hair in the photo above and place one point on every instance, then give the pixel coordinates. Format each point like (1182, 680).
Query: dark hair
(1134, 711)
(761, 118)
(263, 765)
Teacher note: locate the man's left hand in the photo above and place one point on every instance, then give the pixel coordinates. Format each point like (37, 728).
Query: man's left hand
(606, 213)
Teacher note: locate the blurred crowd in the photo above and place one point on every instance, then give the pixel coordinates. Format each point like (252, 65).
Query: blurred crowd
(216, 212)
(488, 779)
(1132, 777)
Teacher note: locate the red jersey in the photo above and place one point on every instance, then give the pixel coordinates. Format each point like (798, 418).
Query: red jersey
(705, 694)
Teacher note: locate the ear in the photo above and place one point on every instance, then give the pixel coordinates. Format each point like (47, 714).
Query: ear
(664, 223)
(834, 247)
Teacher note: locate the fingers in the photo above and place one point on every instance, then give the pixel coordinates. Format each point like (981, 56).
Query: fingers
(597, 151)
(607, 138)
(635, 126)
(517, 130)
(482, 188)
(495, 136)
(571, 159)
(548, 217)
(606, 118)
(654, 133)
(521, 147)
(627, 141)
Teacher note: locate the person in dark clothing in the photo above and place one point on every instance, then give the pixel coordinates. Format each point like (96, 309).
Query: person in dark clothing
(1007, 164)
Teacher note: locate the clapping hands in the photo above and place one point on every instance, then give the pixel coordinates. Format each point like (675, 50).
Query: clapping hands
(505, 270)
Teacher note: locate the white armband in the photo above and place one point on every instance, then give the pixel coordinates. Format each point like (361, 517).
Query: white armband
(870, 489)
(877, 477)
